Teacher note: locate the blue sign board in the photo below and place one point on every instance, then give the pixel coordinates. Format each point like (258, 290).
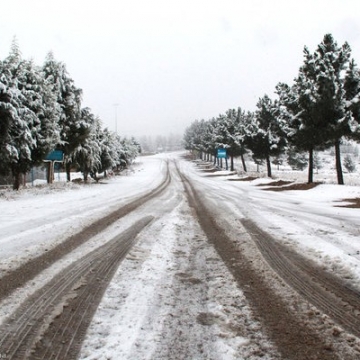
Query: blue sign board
(56, 155)
(221, 153)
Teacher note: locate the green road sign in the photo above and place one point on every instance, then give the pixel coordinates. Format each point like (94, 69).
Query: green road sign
(56, 155)
(221, 153)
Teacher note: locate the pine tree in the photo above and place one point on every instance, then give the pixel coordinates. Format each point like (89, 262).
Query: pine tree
(296, 108)
(127, 151)
(316, 105)
(266, 136)
(17, 120)
(108, 152)
(9, 105)
(87, 154)
(221, 135)
(352, 96)
(39, 98)
(208, 143)
(73, 128)
(236, 134)
(331, 60)
(198, 138)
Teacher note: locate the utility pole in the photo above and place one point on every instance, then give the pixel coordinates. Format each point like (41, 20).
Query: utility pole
(116, 106)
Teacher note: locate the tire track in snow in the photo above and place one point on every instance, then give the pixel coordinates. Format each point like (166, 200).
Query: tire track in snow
(19, 276)
(294, 339)
(52, 323)
(323, 290)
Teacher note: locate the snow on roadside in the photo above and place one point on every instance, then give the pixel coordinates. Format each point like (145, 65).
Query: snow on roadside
(320, 230)
(173, 298)
(307, 220)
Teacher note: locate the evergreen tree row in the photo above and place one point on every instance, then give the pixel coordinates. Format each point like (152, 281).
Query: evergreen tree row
(317, 111)
(40, 111)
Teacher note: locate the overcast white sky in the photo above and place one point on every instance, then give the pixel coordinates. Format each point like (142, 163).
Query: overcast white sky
(169, 62)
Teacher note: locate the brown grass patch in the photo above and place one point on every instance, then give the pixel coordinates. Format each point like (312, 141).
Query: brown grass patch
(297, 186)
(212, 170)
(354, 203)
(222, 174)
(276, 183)
(248, 178)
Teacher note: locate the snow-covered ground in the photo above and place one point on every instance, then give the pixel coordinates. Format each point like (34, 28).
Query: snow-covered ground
(140, 310)
(29, 216)
(309, 220)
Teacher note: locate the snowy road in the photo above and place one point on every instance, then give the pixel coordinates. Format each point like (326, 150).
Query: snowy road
(190, 280)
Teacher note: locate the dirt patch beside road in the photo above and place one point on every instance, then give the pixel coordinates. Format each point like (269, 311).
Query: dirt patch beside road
(296, 186)
(276, 183)
(354, 203)
(248, 178)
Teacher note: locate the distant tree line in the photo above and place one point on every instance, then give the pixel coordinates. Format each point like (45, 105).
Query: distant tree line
(317, 111)
(160, 143)
(40, 111)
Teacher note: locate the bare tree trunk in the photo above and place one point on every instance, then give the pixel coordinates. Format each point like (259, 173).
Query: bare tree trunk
(243, 162)
(48, 175)
(17, 180)
(50, 172)
(268, 164)
(231, 163)
(68, 174)
(339, 172)
(311, 166)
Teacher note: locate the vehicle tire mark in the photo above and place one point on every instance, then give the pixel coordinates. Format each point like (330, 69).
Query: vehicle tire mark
(323, 290)
(19, 276)
(52, 323)
(299, 341)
